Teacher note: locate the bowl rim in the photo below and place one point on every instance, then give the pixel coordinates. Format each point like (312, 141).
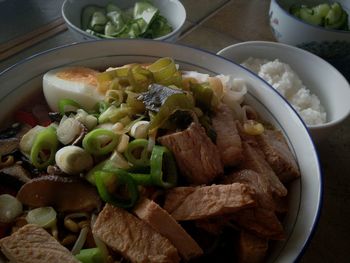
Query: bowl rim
(327, 124)
(169, 35)
(315, 218)
(340, 31)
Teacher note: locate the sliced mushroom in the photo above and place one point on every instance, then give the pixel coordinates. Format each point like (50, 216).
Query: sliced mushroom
(17, 172)
(8, 146)
(63, 193)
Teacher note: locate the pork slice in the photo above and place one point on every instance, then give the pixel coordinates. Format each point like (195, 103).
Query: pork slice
(209, 201)
(252, 249)
(196, 155)
(132, 237)
(32, 243)
(259, 183)
(161, 221)
(261, 222)
(254, 160)
(278, 155)
(228, 140)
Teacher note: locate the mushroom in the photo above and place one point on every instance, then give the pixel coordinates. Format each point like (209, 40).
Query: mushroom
(73, 159)
(13, 177)
(66, 194)
(8, 146)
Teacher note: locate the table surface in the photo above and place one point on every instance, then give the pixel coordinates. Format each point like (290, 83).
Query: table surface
(213, 25)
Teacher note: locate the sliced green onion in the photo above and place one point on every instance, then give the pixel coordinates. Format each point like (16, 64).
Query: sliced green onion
(163, 167)
(44, 148)
(100, 141)
(115, 97)
(10, 208)
(45, 217)
(117, 188)
(79, 244)
(137, 153)
(65, 105)
(90, 255)
(114, 114)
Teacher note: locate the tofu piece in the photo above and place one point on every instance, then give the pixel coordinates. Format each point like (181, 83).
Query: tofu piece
(132, 237)
(161, 221)
(31, 244)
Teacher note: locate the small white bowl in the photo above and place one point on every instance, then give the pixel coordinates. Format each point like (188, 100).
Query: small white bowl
(320, 77)
(291, 30)
(172, 10)
(305, 194)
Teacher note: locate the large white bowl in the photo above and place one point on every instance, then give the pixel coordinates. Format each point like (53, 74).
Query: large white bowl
(172, 10)
(25, 77)
(317, 75)
(290, 30)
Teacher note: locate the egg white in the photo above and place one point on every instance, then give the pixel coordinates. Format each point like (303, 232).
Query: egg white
(56, 88)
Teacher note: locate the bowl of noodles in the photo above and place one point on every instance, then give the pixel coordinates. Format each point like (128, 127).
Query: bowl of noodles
(149, 151)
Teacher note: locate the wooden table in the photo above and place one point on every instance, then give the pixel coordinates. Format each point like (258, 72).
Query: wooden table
(213, 25)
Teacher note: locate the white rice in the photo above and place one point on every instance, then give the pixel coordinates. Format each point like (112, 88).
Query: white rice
(283, 78)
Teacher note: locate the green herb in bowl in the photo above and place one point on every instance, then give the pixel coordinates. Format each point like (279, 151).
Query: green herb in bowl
(331, 16)
(143, 20)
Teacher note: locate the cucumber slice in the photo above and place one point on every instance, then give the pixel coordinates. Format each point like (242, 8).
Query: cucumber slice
(321, 10)
(341, 23)
(335, 14)
(309, 16)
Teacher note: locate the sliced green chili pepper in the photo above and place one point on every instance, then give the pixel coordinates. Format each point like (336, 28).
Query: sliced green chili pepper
(165, 72)
(44, 148)
(163, 167)
(137, 153)
(203, 95)
(172, 104)
(139, 78)
(100, 141)
(63, 103)
(90, 255)
(117, 188)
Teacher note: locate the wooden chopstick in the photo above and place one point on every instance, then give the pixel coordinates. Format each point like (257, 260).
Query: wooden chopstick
(20, 43)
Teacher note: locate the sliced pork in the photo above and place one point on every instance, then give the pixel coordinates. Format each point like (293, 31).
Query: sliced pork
(161, 221)
(254, 160)
(208, 201)
(196, 155)
(132, 237)
(252, 249)
(278, 155)
(32, 243)
(228, 140)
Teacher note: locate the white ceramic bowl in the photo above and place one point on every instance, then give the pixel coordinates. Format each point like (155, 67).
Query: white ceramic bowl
(316, 74)
(172, 10)
(290, 30)
(305, 194)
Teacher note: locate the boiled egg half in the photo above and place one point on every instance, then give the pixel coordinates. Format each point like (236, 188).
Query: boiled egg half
(75, 83)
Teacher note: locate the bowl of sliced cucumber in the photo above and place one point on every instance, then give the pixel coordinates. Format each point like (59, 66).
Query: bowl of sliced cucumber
(319, 26)
(115, 19)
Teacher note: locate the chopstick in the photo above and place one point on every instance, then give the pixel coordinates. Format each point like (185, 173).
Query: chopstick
(20, 43)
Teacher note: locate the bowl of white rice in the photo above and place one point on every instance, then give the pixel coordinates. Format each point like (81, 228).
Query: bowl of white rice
(316, 90)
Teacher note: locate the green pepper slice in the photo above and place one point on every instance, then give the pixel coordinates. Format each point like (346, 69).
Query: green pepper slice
(163, 167)
(137, 153)
(44, 148)
(90, 255)
(100, 141)
(117, 188)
